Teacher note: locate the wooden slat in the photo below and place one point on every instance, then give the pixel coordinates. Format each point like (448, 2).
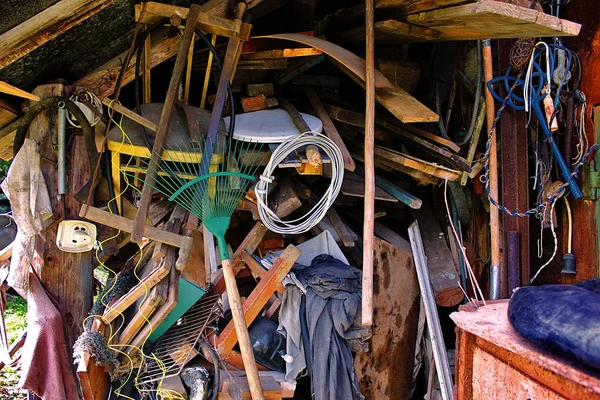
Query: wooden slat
(401, 7)
(257, 269)
(129, 114)
(397, 101)
(440, 153)
(208, 23)
(443, 273)
(357, 119)
(259, 297)
(136, 292)
(143, 313)
(15, 91)
(395, 158)
(490, 19)
(249, 244)
(329, 127)
(340, 228)
(125, 224)
(402, 195)
(282, 53)
(45, 26)
(271, 388)
(102, 80)
(93, 380)
(159, 315)
(391, 32)
(354, 185)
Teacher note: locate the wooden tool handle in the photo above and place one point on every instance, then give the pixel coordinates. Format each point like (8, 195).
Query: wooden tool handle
(240, 10)
(369, 159)
(235, 303)
(163, 124)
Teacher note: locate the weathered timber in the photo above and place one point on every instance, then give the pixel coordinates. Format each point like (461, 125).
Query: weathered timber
(493, 358)
(45, 26)
(397, 101)
(385, 371)
(491, 19)
(391, 32)
(329, 127)
(442, 270)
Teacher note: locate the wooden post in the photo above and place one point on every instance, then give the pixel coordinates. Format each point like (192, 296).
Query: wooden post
(369, 214)
(68, 277)
(488, 71)
(163, 123)
(514, 182)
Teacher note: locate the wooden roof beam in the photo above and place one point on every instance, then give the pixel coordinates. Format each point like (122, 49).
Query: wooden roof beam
(102, 80)
(45, 26)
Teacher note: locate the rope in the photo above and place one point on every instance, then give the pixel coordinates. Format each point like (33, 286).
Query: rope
(551, 198)
(318, 211)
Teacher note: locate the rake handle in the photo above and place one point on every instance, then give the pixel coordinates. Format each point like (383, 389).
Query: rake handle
(235, 303)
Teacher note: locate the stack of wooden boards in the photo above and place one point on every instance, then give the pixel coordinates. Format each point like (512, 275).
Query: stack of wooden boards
(425, 20)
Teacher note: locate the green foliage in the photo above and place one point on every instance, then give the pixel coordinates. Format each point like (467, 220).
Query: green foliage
(16, 322)
(15, 316)
(4, 165)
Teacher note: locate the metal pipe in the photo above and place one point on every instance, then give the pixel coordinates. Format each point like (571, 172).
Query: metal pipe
(62, 150)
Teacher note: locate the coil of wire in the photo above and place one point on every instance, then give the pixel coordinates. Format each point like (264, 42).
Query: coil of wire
(318, 211)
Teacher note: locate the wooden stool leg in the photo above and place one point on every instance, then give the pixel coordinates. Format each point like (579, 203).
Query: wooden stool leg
(136, 180)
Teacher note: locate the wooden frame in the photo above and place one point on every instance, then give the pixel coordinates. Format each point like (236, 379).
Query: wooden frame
(45, 26)
(259, 297)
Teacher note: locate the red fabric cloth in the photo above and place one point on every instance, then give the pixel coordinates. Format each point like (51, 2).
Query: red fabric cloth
(45, 365)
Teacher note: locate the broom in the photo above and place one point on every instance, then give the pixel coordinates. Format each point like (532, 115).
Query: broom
(212, 197)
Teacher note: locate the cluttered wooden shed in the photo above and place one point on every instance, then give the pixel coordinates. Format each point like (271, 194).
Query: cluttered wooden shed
(272, 199)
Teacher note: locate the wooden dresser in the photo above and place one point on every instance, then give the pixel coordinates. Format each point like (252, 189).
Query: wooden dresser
(494, 362)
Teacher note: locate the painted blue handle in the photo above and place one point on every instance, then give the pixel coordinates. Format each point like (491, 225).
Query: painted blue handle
(564, 169)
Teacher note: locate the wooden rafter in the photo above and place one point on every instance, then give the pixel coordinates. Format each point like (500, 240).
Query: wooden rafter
(102, 80)
(45, 26)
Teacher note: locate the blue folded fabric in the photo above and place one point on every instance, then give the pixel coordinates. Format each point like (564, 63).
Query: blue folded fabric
(563, 318)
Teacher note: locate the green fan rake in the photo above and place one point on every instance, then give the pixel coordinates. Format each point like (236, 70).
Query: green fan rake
(212, 197)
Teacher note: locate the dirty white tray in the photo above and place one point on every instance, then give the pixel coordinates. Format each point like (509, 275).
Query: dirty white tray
(269, 126)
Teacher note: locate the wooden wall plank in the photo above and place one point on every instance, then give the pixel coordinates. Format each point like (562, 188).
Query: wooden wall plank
(493, 20)
(68, 277)
(492, 333)
(45, 26)
(385, 371)
(585, 213)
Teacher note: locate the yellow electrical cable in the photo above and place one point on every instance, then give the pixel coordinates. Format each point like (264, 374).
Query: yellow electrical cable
(113, 333)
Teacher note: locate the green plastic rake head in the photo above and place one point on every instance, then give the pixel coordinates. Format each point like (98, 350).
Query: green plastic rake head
(212, 196)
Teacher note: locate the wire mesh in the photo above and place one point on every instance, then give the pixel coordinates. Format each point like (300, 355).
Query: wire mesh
(177, 345)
